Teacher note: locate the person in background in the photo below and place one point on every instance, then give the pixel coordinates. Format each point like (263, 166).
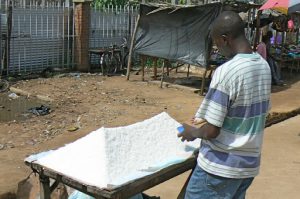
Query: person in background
(235, 110)
(263, 49)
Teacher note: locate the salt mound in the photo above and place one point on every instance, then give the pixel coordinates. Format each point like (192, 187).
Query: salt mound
(112, 156)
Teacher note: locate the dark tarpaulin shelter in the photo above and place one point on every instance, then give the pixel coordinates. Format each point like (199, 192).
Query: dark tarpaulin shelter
(177, 34)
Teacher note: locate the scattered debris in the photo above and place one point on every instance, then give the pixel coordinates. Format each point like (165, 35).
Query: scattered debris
(76, 75)
(60, 76)
(7, 145)
(19, 91)
(73, 128)
(42, 110)
(10, 144)
(31, 142)
(13, 96)
(44, 98)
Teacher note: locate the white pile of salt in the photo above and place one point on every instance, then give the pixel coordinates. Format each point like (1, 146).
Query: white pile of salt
(113, 156)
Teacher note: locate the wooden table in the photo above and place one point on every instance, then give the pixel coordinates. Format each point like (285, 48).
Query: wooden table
(295, 64)
(121, 192)
(209, 69)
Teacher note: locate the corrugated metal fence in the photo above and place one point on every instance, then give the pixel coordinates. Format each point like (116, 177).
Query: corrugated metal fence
(110, 25)
(42, 36)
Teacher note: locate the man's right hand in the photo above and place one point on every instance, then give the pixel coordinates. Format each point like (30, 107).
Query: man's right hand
(197, 121)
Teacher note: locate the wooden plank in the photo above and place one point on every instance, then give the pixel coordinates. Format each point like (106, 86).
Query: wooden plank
(131, 48)
(147, 182)
(63, 179)
(257, 33)
(120, 192)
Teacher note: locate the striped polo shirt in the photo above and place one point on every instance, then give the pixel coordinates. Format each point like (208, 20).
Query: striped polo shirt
(238, 101)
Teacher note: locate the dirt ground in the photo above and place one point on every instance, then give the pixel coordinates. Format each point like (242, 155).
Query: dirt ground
(81, 104)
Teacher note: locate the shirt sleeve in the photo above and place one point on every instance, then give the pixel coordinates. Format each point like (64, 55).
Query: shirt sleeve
(215, 105)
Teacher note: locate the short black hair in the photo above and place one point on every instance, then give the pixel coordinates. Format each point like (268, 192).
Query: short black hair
(228, 23)
(270, 34)
(265, 38)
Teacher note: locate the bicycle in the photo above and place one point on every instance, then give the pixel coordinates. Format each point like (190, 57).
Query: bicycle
(124, 53)
(113, 59)
(117, 57)
(110, 60)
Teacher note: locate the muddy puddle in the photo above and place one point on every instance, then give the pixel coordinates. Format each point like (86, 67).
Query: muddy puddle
(17, 108)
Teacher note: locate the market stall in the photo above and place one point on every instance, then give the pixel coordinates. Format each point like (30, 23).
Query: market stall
(285, 43)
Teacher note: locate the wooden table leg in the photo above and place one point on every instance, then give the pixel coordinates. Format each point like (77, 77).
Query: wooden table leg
(155, 68)
(203, 82)
(143, 62)
(162, 75)
(168, 67)
(45, 191)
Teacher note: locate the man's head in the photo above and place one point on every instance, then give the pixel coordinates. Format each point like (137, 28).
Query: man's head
(266, 39)
(270, 34)
(227, 28)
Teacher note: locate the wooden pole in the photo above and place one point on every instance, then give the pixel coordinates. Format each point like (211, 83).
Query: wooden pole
(82, 13)
(143, 63)
(162, 75)
(6, 53)
(131, 47)
(256, 39)
(155, 67)
(168, 67)
(248, 26)
(297, 37)
(203, 81)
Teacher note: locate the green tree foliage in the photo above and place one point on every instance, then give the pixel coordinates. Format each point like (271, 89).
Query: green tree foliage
(106, 3)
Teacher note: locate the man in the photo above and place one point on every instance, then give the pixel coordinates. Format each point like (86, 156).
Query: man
(263, 49)
(235, 110)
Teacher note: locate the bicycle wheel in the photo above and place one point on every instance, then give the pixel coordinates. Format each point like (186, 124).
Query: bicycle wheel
(105, 63)
(4, 85)
(125, 60)
(113, 64)
(118, 64)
